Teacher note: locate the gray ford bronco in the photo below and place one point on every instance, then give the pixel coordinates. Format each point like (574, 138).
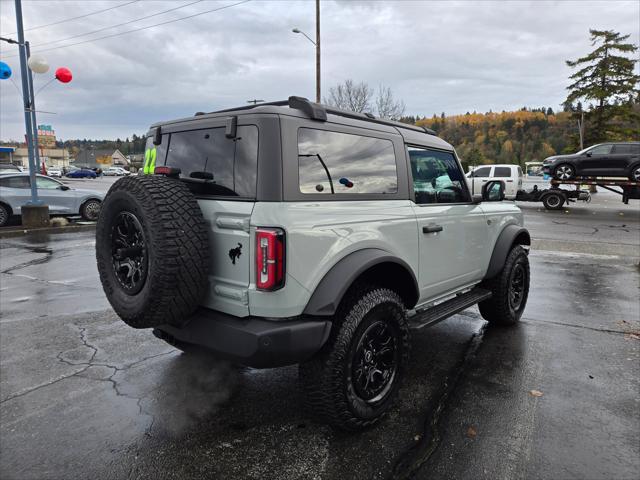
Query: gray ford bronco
(294, 233)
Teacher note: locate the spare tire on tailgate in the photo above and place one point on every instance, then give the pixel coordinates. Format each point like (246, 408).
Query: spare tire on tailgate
(152, 251)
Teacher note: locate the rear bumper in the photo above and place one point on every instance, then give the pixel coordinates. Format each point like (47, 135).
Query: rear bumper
(251, 341)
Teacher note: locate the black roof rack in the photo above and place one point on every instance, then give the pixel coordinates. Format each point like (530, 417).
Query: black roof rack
(317, 111)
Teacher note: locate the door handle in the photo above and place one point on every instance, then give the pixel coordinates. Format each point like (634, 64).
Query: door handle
(432, 229)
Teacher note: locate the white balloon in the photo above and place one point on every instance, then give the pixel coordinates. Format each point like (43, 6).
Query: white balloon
(38, 64)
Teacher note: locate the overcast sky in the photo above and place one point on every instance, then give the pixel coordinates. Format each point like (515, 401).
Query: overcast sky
(436, 56)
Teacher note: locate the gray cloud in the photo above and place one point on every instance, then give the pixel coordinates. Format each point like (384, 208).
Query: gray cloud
(436, 56)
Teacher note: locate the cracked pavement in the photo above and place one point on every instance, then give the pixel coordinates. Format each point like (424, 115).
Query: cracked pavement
(84, 396)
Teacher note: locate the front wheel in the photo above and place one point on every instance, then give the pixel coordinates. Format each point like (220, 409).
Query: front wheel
(564, 172)
(90, 210)
(353, 381)
(634, 174)
(510, 289)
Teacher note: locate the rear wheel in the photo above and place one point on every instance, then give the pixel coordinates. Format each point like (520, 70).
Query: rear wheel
(510, 289)
(353, 381)
(553, 201)
(564, 172)
(634, 174)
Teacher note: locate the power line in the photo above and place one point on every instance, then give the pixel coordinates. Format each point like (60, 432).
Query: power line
(139, 29)
(119, 24)
(76, 18)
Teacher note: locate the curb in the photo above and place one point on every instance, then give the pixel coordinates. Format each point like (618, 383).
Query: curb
(20, 231)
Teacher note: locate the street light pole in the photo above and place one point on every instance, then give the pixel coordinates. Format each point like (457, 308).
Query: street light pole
(317, 51)
(317, 45)
(28, 117)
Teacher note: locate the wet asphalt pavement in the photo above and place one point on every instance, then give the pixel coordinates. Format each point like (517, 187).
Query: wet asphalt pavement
(84, 396)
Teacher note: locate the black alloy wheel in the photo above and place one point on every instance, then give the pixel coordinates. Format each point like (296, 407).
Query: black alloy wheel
(375, 362)
(129, 252)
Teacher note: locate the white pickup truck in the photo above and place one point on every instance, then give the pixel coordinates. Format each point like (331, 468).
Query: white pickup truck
(511, 175)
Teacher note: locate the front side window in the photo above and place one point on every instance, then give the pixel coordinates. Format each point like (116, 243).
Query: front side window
(233, 162)
(502, 172)
(47, 183)
(601, 150)
(437, 177)
(15, 182)
(481, 172)
(332, 162)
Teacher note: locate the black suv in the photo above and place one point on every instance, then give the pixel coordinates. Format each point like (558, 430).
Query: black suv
(615, 159)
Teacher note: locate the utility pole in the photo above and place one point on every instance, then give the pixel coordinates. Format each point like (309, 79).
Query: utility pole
(317, 51)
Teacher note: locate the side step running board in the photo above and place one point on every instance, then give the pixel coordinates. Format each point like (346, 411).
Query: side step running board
(443, 310)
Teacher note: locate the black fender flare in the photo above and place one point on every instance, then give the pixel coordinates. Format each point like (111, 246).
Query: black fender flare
(510, 235)
(328, 294)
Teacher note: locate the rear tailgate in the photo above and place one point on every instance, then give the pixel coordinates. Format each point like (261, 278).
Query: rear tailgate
(230, 255)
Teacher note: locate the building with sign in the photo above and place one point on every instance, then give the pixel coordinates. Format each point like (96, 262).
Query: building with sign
(46, 136)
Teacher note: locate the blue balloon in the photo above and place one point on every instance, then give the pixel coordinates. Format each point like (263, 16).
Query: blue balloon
(5, 71)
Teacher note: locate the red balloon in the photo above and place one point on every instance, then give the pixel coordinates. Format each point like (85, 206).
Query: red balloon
(63, 74)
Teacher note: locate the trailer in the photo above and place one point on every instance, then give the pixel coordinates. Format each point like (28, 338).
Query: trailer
(555, 197)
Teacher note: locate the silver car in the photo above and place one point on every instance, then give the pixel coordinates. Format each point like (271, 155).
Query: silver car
(15, 191)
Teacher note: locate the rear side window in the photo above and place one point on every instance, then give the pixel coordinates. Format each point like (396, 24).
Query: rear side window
(332, 162)
(626, 149)
(232, 162)
(502, 172)
(15, 182)
(482, 172)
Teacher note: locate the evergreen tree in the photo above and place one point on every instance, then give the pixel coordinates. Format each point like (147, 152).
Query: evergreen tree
(606, 76)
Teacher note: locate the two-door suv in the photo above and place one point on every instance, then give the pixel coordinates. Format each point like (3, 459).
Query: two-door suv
(294, 233)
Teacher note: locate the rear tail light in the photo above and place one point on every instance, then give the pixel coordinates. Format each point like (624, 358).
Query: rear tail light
(270, 269)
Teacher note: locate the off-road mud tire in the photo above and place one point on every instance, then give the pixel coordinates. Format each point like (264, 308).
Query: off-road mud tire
(499, 309)
(176, 249)
(326, 378)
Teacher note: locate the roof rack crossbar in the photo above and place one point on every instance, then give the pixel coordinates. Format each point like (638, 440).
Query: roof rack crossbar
(279, 103)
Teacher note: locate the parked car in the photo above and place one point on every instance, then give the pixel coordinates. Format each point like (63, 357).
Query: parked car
(613, 159)
(322, 230)
(55, 172)
(116, 171)
(82, 173)
(510, 174)
(15, 191)
(9, 168)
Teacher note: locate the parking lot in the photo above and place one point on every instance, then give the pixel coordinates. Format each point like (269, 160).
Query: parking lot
(84, 396)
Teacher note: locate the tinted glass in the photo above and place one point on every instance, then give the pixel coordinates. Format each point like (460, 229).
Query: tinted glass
(482, 172)
(437, 177)
(161, 150)
(601, 150)
(344, 163)
(232, 162)
(626, 149)
(47, 183)
(502, 172)
(15, 182)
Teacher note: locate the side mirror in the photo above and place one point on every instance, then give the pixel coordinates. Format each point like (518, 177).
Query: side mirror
(64, 188)
(589, 154)
(493, 191)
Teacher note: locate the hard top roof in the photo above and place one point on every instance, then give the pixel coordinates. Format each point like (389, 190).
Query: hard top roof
(303, 108)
